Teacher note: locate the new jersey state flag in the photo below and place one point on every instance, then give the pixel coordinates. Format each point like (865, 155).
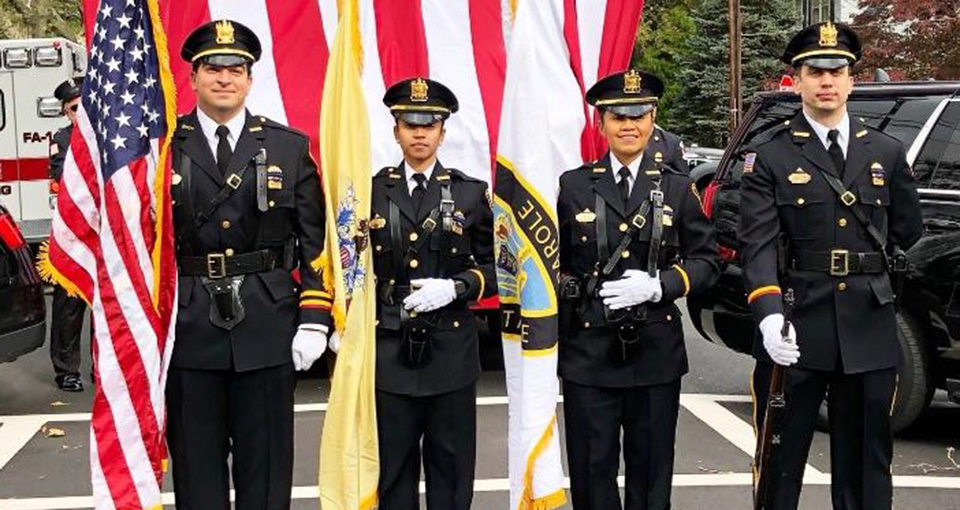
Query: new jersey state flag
(349, 459)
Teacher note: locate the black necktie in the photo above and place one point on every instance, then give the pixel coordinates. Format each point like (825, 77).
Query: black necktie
(224, 153)
(836, 153)
(419, 191)
(624, 184)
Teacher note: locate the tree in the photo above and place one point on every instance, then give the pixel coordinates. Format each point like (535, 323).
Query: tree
(910, 39)
(660, 47)
(21, 19)
(702, 105)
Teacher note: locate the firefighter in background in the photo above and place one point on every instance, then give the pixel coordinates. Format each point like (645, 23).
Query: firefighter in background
(68, 311)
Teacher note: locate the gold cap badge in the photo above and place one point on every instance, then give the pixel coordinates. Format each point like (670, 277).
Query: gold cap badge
(418, 91)
(632, 82)
(225, 32)
(828, 35)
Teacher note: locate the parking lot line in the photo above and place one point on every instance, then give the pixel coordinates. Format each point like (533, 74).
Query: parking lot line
(15, 433)
(502, 485)
(728, 425)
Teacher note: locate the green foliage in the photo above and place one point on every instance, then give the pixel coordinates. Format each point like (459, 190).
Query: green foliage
(686, 44)
(21, 19)
(661, 46)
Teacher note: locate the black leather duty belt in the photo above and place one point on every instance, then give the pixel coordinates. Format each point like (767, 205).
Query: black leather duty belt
(838, 262)
(220, 265)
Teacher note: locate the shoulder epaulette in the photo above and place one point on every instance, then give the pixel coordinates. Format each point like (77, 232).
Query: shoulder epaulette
(462, 176)
(768, 135)
(268, 123)
(386, 171)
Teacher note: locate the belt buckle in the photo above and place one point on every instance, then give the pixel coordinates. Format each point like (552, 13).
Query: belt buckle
(848, 198)
(639, 221)
(839, 262)
(429, 224)
(216, 266)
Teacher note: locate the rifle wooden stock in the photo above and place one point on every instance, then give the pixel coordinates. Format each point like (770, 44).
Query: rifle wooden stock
(773, 419)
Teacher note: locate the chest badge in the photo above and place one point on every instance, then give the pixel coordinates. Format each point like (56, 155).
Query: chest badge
(876, 174)
(749, 162)
(459, 221)
(799, 176)
(586, 216)
(274, 177)
(377, 222)
(667, 216)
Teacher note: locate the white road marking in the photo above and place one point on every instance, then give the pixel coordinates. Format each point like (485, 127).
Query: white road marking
(15, 433)
(502, 485)
(729, 425)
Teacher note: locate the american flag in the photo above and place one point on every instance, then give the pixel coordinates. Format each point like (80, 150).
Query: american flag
(112, 243)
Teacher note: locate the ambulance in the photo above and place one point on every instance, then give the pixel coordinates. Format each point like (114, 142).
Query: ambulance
(30, 69)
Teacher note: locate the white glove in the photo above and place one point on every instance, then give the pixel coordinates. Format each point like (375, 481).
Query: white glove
(783, 351)
(308, 345)
(334, 343)
(431, 294)
(635, 288)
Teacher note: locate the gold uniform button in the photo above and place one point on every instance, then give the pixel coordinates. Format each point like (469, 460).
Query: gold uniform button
(669, 318)
(841, 286)
(623, 227)
(378, 247)
(393, 282)
(583, 239)
(453, 250)
(413, 237)
(229, 252)
(414, 264)
(626, 254)
(879, 202)
(456, 324)
(801, 201)
(842, 222)
(586, 324)
(273, 204)
(225, 224)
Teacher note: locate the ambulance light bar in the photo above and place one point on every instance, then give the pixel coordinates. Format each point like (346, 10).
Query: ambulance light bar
(48, 57)
(17, 58)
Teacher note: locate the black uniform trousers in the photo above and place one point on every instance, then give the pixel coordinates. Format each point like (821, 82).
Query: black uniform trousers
(447, 423)
(215, 413)
(594, 417)
(65, 328)
(861, 441)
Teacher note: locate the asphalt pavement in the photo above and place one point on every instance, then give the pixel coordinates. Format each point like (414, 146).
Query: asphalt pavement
(44, 441)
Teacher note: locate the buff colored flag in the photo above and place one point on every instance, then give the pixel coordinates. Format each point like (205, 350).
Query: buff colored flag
(349, 461)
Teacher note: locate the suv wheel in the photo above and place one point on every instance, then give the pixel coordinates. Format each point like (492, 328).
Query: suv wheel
(915, 386)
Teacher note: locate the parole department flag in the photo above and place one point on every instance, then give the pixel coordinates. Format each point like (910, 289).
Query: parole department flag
(112, 244)
(543, 118)
(349, 457)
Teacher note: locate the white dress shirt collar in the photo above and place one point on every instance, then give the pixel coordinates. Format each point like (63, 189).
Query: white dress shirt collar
(634, 168)
(821, 131)
(411, 182)
(209, 128)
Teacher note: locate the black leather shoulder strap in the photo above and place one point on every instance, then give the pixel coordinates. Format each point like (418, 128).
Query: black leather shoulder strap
(230, 185)
(848, 199)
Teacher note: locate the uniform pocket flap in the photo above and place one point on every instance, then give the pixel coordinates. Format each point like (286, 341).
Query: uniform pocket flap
(798, 196)
(279, 284)
(876, 196)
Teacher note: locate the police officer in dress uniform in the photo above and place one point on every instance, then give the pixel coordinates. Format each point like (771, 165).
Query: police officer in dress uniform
(67, 311)
(827, 206)
(432, 234)
(667, 149)
(633, 239)
(248, 210)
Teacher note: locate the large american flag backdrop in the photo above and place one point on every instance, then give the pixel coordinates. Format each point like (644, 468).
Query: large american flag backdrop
(458, 42)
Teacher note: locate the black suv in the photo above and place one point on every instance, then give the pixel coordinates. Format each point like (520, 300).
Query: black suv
(22, 311)
(925, 116)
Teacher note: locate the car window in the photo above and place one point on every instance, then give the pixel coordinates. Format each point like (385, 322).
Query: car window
(938, 163)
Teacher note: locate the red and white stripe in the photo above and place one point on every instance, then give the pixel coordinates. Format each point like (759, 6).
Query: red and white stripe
(458, 42)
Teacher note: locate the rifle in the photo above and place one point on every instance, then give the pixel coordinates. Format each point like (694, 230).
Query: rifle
(773, 417)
